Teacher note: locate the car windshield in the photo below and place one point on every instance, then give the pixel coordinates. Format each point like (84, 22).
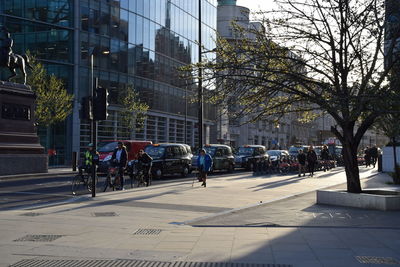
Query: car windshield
(156, 152)
(245, 151)
(108, 147)
(210, 150)
(273, 153)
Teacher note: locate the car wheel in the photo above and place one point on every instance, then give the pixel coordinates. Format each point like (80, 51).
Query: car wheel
(185, 171)
(157, 173)
(231, 168)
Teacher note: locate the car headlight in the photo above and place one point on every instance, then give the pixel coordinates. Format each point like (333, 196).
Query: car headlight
(107, 158)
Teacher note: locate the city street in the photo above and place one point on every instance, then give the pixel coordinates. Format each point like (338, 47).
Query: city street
(238, 218)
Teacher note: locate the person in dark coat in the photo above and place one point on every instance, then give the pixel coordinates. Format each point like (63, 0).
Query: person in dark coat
(374, 155)
(325, 157)
(301, 158)
(120, 158)
(367, 157)
(311, 160)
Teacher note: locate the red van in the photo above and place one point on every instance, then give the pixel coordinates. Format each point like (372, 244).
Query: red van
(106, 149)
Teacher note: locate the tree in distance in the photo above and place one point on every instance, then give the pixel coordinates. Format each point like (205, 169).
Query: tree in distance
(53, 102)
(308, 57)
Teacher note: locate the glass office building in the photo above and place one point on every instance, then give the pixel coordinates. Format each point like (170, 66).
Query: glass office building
(138, 44)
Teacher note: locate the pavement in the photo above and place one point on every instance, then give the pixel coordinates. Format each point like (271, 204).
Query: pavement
(239, 219)
(52, 172)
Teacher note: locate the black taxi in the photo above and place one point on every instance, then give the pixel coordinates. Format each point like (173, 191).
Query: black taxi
(247, 156)
(169, 158)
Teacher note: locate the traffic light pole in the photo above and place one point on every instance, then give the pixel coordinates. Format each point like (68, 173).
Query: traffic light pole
(93, 126)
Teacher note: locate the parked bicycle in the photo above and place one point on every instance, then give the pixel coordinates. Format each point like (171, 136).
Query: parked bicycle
(82, 182)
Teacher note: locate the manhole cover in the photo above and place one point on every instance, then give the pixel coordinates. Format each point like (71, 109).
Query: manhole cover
(32, 214)
(38, 238)
(148, 232)
(377, 260)
(104, 214)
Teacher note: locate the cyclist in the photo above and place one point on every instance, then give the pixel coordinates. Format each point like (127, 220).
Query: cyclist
(145, 161)
(120, 158)
(87, 161)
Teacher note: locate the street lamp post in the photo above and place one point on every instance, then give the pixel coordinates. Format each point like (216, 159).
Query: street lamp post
(93, 123)
(200, 88)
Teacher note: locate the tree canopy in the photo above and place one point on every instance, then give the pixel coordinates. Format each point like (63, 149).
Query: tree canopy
(309, 56)
(53, 102)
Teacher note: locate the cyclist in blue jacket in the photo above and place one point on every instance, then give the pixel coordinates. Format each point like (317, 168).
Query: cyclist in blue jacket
(204, 163)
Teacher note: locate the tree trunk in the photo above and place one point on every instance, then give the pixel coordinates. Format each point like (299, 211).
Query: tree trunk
(351, 167)
(396, 178)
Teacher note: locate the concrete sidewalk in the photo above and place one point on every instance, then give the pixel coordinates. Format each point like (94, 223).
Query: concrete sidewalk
(238, 218)
(52, 172)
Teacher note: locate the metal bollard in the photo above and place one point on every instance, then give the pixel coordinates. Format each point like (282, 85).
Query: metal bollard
(379, 163)
(74, 160)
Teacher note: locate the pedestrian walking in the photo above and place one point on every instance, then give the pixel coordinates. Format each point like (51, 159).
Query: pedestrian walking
(204, 163)
(325, 157)
(374, 155)
(367, 157)
(301, 158)
(311, 160)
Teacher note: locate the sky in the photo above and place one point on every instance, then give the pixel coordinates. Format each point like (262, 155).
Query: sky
(255, 5)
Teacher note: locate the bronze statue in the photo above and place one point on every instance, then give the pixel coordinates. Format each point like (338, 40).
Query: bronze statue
(9, 59)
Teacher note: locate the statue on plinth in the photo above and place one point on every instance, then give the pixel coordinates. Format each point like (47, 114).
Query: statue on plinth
(11, 60)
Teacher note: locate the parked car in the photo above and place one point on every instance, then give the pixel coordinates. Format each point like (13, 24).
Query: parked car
(249, 155)
(169, 158)
(106, 149)
(222, 157)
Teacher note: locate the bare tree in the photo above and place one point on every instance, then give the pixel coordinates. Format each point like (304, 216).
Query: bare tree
(312, 56)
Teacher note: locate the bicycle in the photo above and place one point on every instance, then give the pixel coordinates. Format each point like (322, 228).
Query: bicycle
(113, 179)
(83, 180)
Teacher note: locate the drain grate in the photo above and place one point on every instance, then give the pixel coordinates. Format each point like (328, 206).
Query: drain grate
(43, 262)
(377, 260)
(104, 214)
(38, 238)
(148, 232)
(86, 263)
(32, 214)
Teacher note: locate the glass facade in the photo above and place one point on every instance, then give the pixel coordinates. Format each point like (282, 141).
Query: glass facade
(138, 44)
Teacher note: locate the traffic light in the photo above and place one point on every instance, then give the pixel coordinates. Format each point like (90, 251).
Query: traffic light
(86, 108)
(100, 104)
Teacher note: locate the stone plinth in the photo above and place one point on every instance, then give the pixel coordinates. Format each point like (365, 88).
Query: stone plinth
(377, 199)
(20, 151)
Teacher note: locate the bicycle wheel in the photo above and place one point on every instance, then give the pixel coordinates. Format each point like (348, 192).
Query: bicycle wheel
(139, 180)
(107, 183)
(89, 183)
(76, 184)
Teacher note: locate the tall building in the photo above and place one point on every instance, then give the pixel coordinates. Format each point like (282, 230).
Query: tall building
(237, 132)
(136, 44)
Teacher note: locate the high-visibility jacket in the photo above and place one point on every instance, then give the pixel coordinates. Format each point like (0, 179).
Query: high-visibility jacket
(88, 158)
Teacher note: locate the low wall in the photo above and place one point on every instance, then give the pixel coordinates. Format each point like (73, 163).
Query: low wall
(11, 164)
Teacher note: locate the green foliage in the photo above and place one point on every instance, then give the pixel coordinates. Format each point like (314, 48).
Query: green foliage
(53, 103)
(308, 57)
(133, 112)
